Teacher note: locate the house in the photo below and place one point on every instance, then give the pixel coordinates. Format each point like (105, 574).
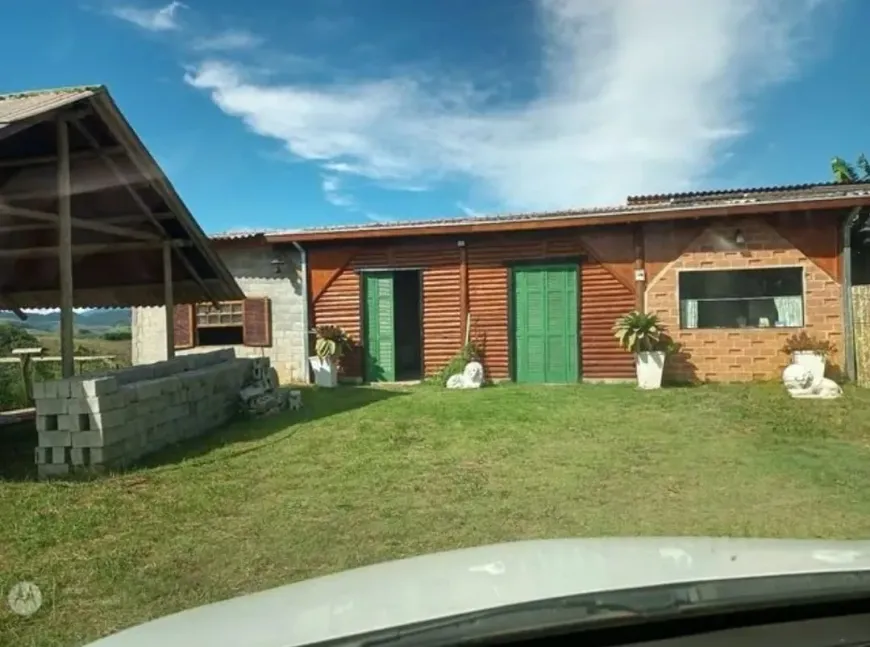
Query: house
(732, 275)
(270, 322)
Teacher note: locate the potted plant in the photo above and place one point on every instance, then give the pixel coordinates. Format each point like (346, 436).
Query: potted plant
(809, 352)
(641, 333)
(328, 348)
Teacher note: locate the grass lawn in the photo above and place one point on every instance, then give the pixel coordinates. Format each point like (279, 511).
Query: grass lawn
(364, 475)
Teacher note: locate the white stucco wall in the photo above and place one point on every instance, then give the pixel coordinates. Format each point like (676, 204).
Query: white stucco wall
(256, 276)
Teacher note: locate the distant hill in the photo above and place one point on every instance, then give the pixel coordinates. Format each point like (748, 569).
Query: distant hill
(95, 320)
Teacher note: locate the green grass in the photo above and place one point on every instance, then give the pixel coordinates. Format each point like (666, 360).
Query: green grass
(364, 475)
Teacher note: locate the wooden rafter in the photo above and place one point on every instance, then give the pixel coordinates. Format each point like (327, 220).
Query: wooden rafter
(79, 223)
(39, 160)
(90, 249)
(114, 220)
(143, 207)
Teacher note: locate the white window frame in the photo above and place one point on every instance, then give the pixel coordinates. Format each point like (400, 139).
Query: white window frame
(802, 268)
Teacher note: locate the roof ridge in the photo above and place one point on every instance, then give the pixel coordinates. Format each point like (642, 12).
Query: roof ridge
(70, 89)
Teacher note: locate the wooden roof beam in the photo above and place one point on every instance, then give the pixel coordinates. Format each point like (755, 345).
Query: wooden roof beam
(143, 207)
(79, 223)
(114, 220)
(39, 160)
(85, 249)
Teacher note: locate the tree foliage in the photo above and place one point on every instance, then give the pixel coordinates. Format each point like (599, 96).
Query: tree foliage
(846, 173)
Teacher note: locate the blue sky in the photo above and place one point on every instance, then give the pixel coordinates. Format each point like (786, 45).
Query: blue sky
(274, 114)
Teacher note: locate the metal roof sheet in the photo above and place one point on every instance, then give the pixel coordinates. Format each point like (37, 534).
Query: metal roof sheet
(18, 106)
(714, 194)
(639, 205)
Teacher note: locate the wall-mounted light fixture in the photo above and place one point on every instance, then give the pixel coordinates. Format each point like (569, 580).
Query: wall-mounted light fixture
(277, 265)
(739, 239)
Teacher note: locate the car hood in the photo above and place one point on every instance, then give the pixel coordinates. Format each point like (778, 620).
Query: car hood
(440, 585)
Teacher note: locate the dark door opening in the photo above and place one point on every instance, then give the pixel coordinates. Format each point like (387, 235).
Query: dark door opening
(392, 315)
(409, 325)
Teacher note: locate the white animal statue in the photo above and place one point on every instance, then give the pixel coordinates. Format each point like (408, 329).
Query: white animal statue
(470, 378)
(798, 380)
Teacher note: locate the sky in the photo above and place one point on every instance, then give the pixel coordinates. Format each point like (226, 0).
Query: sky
(299, 113)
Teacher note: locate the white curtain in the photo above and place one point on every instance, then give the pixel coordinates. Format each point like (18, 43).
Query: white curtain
(689, 313)
(789, 311)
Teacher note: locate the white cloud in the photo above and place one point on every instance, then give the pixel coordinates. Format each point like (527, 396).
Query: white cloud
(332, 191)
(161, 19)
(636, 97)
(235, 39)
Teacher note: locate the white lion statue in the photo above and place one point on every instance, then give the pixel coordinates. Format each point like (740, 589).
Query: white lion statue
(798, 380)
(470, 378)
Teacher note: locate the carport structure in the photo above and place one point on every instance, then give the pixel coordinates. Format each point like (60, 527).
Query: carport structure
(88, 219)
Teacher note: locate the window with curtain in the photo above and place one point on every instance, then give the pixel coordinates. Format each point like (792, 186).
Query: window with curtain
(757, 298)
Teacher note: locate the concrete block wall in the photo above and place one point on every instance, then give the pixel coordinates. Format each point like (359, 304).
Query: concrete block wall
(252, 267)
(114, 418)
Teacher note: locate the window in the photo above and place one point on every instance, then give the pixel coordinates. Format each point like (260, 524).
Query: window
(219, 326)
(759, 298)
(230, 323)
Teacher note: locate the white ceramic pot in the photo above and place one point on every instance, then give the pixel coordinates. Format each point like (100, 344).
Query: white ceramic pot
(650, 366)
(325, 372)
(811, 360)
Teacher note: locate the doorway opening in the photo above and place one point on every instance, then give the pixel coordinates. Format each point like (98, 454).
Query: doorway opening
(393, 325)
(409, 326)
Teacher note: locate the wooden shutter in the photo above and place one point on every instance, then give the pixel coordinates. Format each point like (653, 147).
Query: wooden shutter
(184, 324)
(257, 319)
(380, 333)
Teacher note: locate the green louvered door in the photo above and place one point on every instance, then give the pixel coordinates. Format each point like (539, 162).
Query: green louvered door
(545, 333)
(379, 325)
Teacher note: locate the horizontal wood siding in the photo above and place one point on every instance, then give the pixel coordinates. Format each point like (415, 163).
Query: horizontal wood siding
(339, 303)
(603, 299)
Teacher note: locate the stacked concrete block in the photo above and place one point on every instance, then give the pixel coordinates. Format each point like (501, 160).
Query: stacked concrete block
(112, 419)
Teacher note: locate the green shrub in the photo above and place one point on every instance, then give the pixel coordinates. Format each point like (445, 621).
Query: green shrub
(471, 352)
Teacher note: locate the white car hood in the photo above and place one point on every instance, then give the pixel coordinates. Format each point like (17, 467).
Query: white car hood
(436, 586)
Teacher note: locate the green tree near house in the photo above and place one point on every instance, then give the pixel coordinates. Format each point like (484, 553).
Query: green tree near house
(845, 173)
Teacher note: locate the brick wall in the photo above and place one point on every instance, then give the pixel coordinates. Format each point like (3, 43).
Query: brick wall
(746, 354)
(255, 275)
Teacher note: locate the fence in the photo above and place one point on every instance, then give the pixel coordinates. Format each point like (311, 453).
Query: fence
(17, 390)
(861, 331)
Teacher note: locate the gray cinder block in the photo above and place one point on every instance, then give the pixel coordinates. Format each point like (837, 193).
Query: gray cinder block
(52, 406)
(46, 423)
(54, 438)
(87, 439)
(90, 388)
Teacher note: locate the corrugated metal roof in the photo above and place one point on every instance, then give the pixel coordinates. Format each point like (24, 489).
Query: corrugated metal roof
(714, 194)
(640, 204)
(22, 105)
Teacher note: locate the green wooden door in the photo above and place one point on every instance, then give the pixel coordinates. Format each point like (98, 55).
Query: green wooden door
(545, 330)
(379, 325)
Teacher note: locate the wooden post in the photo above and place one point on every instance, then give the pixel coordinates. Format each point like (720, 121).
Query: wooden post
(463, 290)
(168, 299)
(67, 329)
(639, 272)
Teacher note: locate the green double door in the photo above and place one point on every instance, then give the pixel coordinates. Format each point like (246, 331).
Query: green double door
(379, 325)
(545, 334)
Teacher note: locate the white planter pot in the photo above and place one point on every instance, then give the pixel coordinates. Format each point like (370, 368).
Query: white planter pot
(325, 372)
(650, 366)
(814, 362)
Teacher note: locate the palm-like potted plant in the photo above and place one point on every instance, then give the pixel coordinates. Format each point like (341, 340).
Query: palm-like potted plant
(331, 343)
(642, 334)
(810, 352)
